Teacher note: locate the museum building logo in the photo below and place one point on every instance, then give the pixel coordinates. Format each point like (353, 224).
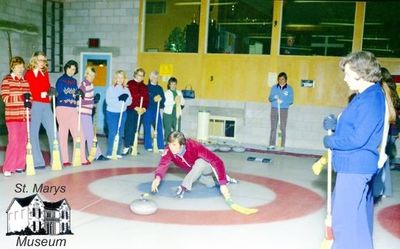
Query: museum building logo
(33, 216)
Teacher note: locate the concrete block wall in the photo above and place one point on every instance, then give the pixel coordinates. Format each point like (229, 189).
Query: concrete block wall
(21, 44)
(115, 23)
(304, 127)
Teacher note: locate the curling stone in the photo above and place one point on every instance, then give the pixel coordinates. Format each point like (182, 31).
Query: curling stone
(143, 206)
(239, 149)
(224, 148)
(211, 147)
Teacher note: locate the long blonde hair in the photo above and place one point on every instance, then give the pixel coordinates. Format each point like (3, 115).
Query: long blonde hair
(122, 72)
(33, 62)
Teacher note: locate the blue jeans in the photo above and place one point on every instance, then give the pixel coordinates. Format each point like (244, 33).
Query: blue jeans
(150, 120)
(130, 127)
(352, 212)
(41, 114)
(112, 119)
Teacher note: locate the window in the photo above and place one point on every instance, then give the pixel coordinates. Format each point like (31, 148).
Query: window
(317, 27)
(175, 31)
(33, 212)
(239, 27)
(155, 7)
(381, 28)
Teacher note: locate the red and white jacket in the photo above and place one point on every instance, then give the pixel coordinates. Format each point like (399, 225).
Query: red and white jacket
(194, 151)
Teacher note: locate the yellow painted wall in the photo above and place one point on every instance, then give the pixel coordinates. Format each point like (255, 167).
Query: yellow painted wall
(244, 77)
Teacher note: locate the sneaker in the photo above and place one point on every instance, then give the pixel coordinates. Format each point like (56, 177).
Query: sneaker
(231, 180)
(19, 170)
(271, 147)
(180, 191)
(67, 164)
(109, 157)
(40, 167)
(119, 156)
(125, 151)
(86, 163)
(7, 173)
(102, 158)
(161, 150)
(149, 150)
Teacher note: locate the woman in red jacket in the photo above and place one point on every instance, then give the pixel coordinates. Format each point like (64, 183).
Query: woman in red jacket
(14, 91)
(196, 160)
(39, 84)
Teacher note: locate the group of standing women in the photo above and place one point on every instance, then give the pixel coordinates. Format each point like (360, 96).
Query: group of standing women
(29, 95)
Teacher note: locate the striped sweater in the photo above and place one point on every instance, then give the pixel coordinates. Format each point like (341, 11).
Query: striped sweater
(88, 101)
(12, 90)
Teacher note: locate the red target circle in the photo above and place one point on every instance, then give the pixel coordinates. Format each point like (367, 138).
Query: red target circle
(291, 201)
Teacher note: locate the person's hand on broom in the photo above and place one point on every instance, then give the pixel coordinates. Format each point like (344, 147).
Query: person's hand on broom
(79, 93)
(27, 100)
(123, 97)
(96, 98)
(157, 98)
(139, 110)
(52, 92)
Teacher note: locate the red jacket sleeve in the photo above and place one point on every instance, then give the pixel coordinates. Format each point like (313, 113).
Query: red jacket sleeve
(164, 163)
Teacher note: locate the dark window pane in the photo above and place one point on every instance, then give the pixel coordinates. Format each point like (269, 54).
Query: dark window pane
(177, 30)
(317, 27)
(381, 28)
(240, 27)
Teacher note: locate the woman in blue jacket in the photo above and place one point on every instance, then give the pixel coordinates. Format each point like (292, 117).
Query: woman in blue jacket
(355, 146)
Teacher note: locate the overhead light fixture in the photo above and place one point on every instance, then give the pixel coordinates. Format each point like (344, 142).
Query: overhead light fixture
(322, 1)
(376, 39)
(198, 3)
(301, 26)
(245, 23)
(337, 24)
(373, 23)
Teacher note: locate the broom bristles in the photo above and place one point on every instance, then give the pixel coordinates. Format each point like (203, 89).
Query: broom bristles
(135, 144)
(76, 161)
(115, 148)
(30, 168)
(93, 150)
(55, 156)
(155, 147)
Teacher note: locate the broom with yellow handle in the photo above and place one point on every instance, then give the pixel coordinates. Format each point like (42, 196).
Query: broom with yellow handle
(155, 146)
(55, 153)
(319, 165)
(279, 130)
(76, 160)
(234, 206)
(328, 239)
(116, 139)
(135, 141)
(30, 167)
(178, 112)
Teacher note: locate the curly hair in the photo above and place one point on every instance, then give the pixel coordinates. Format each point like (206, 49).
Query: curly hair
(364, 64)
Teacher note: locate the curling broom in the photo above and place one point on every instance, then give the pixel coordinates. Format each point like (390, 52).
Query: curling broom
(30, 168)
(55, 153)
(279, 132)
(178, 115)
(93, 149)
(116, 139)
(240, 209)
(328, 239)
(135, 141)
(155, 146)
(76, 160)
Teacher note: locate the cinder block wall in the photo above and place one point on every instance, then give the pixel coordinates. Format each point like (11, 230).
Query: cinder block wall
(304, 127)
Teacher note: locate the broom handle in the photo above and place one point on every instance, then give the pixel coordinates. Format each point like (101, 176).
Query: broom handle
(79, 114)
(138, 122)
(158, 110)
(54, 116)
(27, 123)
(279, 113)
(120, 116)
(329, 186)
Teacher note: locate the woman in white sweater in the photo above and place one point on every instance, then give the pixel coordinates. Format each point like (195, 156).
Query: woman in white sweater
(174, 103)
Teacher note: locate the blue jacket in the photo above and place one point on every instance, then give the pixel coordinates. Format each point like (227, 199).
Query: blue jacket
(359, 133)
(155, 90)
(112, 94)
(285, 94)
(66, 87)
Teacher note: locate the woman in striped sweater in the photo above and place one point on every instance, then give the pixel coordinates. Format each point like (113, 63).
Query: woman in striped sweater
(13, 88)
(87, 111)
